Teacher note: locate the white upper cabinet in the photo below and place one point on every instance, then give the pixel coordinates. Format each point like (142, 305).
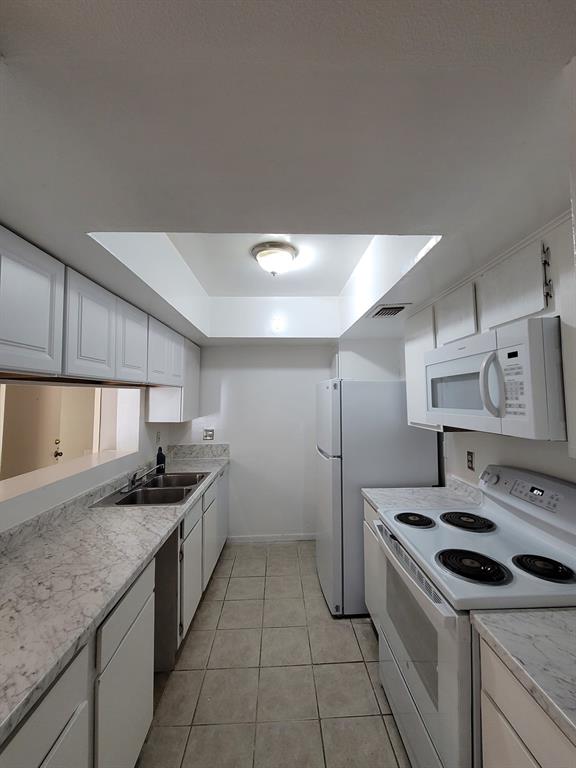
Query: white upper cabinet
(90, 350)
(456, 315)
(512, 289)
(31, 307)
(178, 403)
(159, 352)
(131, 343)
(176, 359)
(420, 338)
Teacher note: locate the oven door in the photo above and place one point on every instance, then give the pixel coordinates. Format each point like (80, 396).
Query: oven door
(465, 385)
(429, 648)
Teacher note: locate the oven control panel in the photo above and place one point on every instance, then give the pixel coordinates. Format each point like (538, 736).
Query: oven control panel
(537, 494)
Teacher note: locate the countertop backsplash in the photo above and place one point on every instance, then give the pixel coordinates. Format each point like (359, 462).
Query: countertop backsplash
(206, 450)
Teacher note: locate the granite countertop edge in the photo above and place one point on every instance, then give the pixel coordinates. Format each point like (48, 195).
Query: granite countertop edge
(484, 622)
(40, 680)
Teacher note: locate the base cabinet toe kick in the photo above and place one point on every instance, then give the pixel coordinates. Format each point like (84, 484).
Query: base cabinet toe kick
(99, 710)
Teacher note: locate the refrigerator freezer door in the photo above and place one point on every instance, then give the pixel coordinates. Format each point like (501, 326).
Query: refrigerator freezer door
(328, 417)
(329, 529)
(379, 450)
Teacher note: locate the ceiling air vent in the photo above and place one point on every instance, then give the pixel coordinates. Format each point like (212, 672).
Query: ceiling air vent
(388, 310)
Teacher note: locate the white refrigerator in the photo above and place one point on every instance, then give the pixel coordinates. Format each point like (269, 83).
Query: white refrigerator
(363, 441)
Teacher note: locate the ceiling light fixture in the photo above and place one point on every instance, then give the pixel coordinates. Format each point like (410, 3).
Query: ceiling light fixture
(275, 257)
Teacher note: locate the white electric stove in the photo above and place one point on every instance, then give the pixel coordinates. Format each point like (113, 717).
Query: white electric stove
(515, 550)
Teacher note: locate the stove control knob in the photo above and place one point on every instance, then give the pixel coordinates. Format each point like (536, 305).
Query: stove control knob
(492, 479)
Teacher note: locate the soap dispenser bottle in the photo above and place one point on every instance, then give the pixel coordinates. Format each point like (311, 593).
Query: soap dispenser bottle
(160, 462)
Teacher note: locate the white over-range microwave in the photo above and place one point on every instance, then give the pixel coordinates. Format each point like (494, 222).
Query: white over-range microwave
(507, 381)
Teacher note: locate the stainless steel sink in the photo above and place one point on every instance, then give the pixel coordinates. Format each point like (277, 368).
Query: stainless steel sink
(154, 496)
(177, 480)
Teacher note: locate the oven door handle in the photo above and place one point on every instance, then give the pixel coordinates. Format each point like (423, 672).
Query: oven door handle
(490, 359)
(444, 612)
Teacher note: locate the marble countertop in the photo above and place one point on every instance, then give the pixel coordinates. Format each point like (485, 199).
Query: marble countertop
(419, 498)
(539, 648)
(57, 585)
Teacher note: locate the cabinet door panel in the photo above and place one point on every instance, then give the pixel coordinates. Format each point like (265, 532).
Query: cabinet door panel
(456, 315)
(90, 329)
(420, 338)
(131, 343)
(190, 576)
(210, 550)
(124, 695)
(31, 307)
(72, 750)
(176, 360)
(222, 501)
(501, 747)
(159, 352)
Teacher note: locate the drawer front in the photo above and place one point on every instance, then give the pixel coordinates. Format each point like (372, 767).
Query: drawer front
(369, 513)
(124, 695)
(209, 496)
(116, 625)
(73, 748)
(542, 737)
(192, 516)
(32, 743)
(501, 747)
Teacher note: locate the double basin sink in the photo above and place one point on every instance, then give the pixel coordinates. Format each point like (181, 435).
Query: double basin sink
(162, 489)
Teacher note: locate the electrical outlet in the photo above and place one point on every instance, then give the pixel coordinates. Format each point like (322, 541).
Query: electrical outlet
(208, 434)
(158, 438)
(470, 460)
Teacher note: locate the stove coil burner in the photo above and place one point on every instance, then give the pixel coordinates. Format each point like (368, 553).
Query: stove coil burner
(468, 521)
(415, 519)
(473, 566)
(545, 568)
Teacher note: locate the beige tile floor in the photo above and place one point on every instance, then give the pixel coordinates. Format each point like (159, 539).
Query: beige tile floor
(266, 678)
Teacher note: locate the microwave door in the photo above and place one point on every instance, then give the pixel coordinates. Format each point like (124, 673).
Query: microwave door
(466, 392)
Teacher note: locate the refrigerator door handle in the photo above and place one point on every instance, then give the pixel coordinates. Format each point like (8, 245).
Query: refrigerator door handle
(326, 455)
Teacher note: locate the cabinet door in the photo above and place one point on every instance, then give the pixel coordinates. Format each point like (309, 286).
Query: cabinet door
(190, 576)
(131, 343)
(31, 307)
(497, 303)
(371, 573)
(223, 511)
(455, 315)
(159, 352)
(420, 338)
(210, 542)
(176, 359)
(72, 750)
(191, 390)
(124, 695)
(90, 329)
(501, 747)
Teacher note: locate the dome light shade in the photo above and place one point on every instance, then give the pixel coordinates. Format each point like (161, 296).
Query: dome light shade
(274, 257)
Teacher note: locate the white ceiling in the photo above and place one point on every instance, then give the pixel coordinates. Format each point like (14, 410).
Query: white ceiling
(223, 264)
(404, 116)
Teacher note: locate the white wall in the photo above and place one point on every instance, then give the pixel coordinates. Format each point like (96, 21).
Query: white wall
(261, 399)
(371, 359)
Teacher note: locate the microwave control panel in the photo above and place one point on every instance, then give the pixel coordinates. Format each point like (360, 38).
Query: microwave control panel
(513, 368)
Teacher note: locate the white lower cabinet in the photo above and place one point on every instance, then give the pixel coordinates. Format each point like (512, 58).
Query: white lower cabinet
(125, 683)
(501, 747)
(210, 542)
(72, 748)
(516, 731)
(223, 497)
(57, 733)
(190, 576)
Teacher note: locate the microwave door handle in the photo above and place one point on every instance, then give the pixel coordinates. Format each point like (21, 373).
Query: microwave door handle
(447, 614)
(491, 407)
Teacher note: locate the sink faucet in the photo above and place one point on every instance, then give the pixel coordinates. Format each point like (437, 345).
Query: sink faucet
(134, 479)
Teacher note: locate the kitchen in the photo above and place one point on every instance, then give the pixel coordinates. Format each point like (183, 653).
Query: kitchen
(249, 481)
